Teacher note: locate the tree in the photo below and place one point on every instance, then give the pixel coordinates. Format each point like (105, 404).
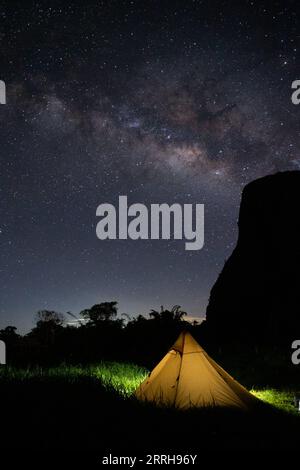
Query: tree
(176, 314)
(9, 335)
(49, 317)
(103, 312)
(48, 324)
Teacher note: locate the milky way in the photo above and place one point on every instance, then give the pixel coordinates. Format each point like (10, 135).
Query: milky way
(154, 100)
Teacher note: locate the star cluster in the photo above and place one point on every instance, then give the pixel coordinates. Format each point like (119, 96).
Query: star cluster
(160, 101)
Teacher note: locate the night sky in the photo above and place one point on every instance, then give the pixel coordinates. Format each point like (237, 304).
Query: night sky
(160, 101)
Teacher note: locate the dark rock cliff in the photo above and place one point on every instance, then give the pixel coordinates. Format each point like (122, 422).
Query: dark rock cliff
(256, 298)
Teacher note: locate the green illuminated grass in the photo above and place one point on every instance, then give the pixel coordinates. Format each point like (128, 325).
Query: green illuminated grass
(283, 400)
(122, 378)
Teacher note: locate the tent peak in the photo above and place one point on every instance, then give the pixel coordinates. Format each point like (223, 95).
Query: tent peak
(186, 343)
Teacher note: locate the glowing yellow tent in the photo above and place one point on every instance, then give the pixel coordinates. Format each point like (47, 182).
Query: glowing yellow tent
(187, 377)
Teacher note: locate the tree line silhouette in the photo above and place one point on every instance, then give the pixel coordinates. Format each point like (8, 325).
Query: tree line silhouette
(98, 333)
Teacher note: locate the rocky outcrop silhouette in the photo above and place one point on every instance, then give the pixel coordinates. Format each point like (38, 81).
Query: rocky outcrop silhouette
(256, 298)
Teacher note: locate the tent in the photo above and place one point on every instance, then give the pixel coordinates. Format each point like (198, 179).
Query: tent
(187, 377)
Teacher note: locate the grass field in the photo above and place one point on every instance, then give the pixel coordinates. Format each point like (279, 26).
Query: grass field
(124, 378)
(121, 377)
(94, 405)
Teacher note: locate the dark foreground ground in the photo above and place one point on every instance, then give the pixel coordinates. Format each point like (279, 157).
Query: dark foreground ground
(55, 415)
